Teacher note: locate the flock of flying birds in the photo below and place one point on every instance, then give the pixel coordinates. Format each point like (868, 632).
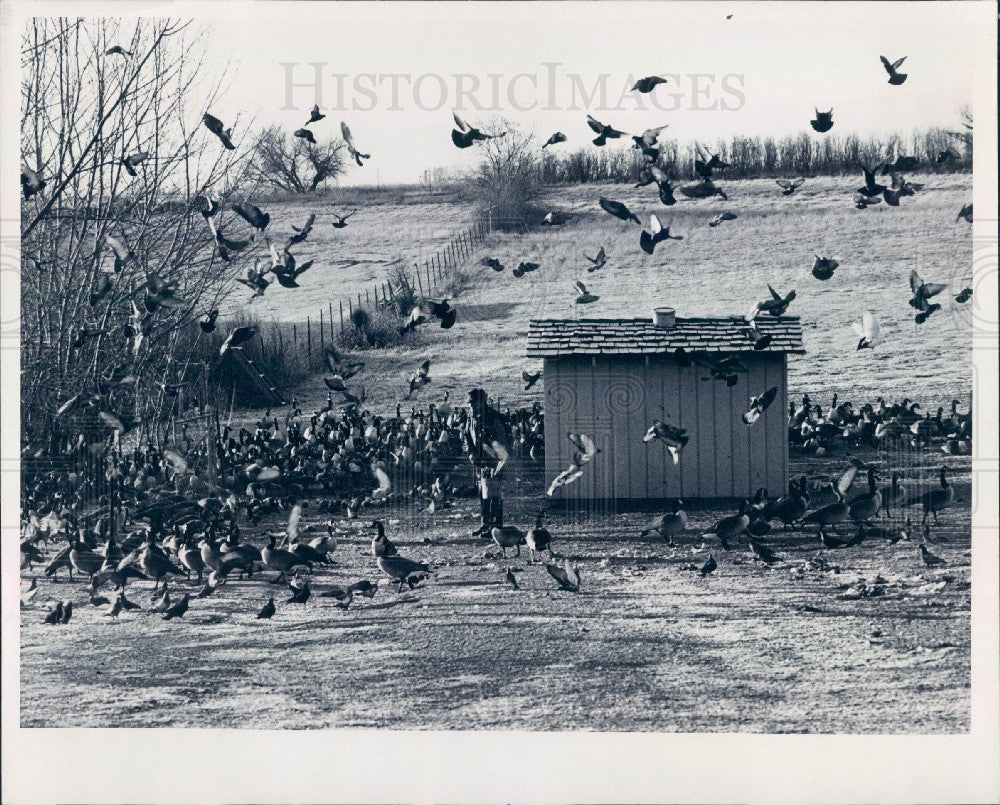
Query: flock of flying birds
(286, 270)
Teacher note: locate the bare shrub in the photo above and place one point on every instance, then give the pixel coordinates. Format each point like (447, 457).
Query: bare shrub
(506, 184)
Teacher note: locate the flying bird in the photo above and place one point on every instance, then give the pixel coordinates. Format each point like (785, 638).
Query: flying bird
(656, 233)
(862, 202)
(789, 187)
(598, 262)
(341, 221)
(922, 294)
(31, 183)
(525, 268)
(567, 575)
(287, 271)
(352, 149)
(723, 216)
(584, 453)
(419, 378)
(966, 213)
(253, 215)
(673, 437)
(823, 267)
(707, 162)
(214, 125)
(530, 378)
(663, 186)
(618, 210)
(236, 338)
(647, 143)
(647, 84)
(603, 131)
(963, 296)
(492, 262)
(465, 135)
(895, 78)
(758, 405)
(117, 50)
(868, 331)
(823, 121)
(315, 115)
(305, 134)
(760, 340)
(777, 304)
(706, 188)
(555, 139)
(584, 297)
(132, 160)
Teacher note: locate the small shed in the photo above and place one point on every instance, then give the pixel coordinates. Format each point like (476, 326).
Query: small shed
(612, 378)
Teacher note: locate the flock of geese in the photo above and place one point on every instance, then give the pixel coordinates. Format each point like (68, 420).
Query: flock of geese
(178, 528)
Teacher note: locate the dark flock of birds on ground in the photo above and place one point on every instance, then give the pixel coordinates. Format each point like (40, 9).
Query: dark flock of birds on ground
(177, 512)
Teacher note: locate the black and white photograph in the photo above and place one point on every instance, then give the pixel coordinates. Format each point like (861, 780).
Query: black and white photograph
(502, 372)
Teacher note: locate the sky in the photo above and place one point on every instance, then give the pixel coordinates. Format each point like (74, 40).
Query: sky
(761, 72)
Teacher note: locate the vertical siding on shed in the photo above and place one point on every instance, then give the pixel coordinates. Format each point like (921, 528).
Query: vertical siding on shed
(554, 380)
(684, 391)
(776, 425)
(654, 407)
(757, 385)
(705, 445)
(723, 458)
(602, 430)
(726, 398)
(586, 419)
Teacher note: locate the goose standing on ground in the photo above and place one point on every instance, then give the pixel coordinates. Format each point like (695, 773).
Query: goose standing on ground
(729, 528)
(862, 508)
(831, 514)
(391, 563)
(538, 539)
(508, 537)
(791, 508)
(281, 560)
(938, 498)
(669, 525)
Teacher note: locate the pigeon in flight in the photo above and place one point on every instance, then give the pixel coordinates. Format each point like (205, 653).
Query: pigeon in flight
(356, 155)
(895, 78)
(214, 125)
(823, 121)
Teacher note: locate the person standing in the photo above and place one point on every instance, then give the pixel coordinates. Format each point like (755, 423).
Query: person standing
(491, 494)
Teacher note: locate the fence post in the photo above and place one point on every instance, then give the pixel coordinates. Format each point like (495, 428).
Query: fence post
(322, 335)
(341, 316)
(330, 306)
(368, 300)
(359, 299)
(427, 271)
(420, 285)
(309, 341)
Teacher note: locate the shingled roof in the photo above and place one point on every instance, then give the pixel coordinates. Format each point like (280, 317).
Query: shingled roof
(550, 338)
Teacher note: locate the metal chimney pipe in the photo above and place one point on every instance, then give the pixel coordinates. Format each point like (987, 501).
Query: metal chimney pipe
(664, 317)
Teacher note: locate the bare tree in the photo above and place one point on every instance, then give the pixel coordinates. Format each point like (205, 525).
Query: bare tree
(506, 183)
(117, 137)
(294, 165)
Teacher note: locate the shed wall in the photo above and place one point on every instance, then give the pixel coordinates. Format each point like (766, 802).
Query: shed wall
(614, 400)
